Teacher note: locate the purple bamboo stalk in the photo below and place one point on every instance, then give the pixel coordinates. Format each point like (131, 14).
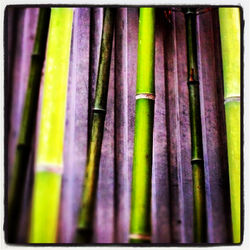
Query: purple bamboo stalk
(24, 41)
(75, 140)
(122, 185)
(160, 182)
(214, 131)
(180, 174)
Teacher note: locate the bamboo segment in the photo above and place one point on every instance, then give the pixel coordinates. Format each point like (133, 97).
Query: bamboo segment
(84, 228)
(140, 220)
(49, 158)
(230, 44)
(28, 125)
(196, 131)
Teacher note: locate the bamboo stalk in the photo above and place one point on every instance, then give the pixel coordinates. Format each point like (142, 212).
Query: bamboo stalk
(140, 220)
(49, 158)
(196, 131)
(121, 173)
(84, 227)
(28, 124)
(230, 44)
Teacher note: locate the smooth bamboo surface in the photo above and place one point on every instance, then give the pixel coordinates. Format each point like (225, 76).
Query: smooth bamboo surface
(28, 124)
(49, 158)
(140, 221)
(230, 31)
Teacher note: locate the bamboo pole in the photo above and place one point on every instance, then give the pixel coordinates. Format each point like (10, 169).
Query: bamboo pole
(121, 173)
(84, 227)
(140, 220)
(49, 158)
(196, 131)
(230, 44)
(28, 124)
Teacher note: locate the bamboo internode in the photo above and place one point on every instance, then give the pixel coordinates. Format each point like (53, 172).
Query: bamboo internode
(49, 158)
(28, 124)
(84, 227)
(200, 228)
(140, 221)
(230, 31)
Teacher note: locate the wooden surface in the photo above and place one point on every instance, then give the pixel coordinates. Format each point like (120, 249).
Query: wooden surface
(172, 202)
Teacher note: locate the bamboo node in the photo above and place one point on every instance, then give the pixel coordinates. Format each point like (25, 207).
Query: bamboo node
(193, 82)
(53, 168)
(196, 160)
(99, 110)
(140, 236)
(232, 99)
(145, 96)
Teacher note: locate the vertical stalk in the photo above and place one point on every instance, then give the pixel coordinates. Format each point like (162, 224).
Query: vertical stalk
(140, 221)
(28, 124)
(121, 180)
(49, 158)
(230, 44)
(196, 131)
(84, 228)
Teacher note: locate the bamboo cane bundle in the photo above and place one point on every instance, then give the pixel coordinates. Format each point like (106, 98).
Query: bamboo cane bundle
(196, 131)
(230, 44)
(140, 220)
(28, 124)
(84, 227)
(49, 158)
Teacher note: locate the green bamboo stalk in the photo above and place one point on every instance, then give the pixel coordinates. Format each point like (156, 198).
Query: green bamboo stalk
(84, 228)
(49, 158)
(196, 130)
(230, 44)
(140, 220)
(28, 124)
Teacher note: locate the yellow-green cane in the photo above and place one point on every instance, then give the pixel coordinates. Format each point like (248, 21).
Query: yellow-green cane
(49, 157)
(230, 32)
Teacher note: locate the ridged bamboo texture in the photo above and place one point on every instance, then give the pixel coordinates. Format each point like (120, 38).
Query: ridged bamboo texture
(197, 161)
(140, 221)
(28, 123)
(49, 158)
(85, 221)
(230, 31)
